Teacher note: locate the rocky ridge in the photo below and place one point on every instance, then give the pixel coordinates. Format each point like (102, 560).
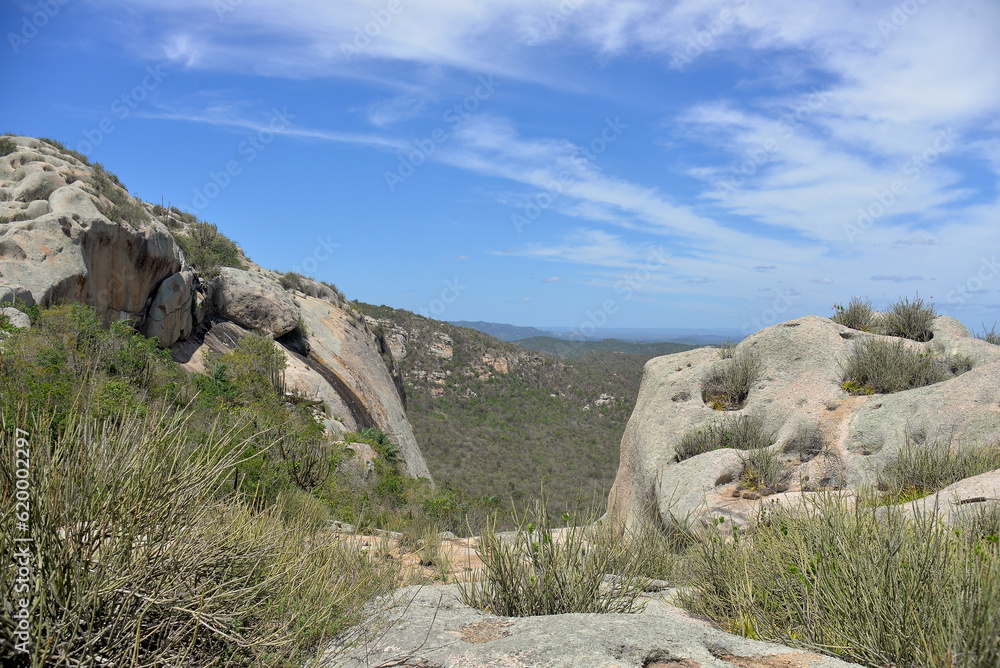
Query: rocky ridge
(69, 231)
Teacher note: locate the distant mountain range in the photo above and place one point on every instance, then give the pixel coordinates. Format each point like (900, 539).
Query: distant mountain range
(694, 337)
(501, 331)
(567, 349)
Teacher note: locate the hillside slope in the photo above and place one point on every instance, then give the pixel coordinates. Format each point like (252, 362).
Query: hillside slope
(499, 420)
(573, 349)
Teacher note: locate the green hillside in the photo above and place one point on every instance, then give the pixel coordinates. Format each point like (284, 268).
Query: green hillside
(574, 349)
(499, 419)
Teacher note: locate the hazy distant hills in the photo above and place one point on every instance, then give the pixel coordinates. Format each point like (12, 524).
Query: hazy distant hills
(573, 349)
(501, 331)
(694, 337)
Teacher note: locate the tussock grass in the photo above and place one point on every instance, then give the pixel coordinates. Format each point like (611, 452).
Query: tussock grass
(919, 469)
(532, 571)
(143, 556)
(762, 470)
(741, 432)
(878, 591)
(806, 444)
(729, 382)
(881, 366)
(909, 319)
(7, 146)
(990, 335)
(858, 314)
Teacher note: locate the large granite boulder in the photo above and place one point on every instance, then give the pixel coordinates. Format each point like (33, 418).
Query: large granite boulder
(798, 397)
(349, 357)
(58, 243)
(430, 627)
(254, 301)
(169, 317)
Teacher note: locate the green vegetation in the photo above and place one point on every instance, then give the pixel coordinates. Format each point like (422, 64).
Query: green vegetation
(208, 249)
(858, 314)
(143, 555)
(919, 469)
(123, 208)
(909, 319)
(68, 151)
(538, 570)
(493, 428)
(880, 366)
(740, 432)
(576, 349)
(990, 335)
(219, 483)
(729, 383)
(7, 146)
(762, 471)
(878, 590)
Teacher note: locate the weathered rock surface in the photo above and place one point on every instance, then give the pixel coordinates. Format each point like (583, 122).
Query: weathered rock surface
(15, 318)
(59, 245)
(347, 355)
(254, 301)
(430, 627)
(799, 393)
(960, 500)
(169, 317)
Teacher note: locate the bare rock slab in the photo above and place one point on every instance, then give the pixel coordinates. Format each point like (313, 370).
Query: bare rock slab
(430, 627)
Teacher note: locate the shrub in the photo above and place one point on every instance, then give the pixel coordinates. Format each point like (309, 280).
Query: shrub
(208, 249)
(729, 382)
(741, 432)
(123, 207)
(882, 366)
(909, 319)
(919, 469)
(141, 557)
(990, 336)
(7, 146)
(291, 281)
(762, 470)
(727, 349)
(534, 571)
(877, 590)
(257, 365)
(68, 151)
(806, 444)
(188, 218)
(378, 439)
(858, 314)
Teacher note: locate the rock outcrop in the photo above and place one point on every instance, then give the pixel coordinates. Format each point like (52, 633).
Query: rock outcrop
(70, 232)
(430, 627)
(58, 243)
(346, 353)
(254, 301)
(827, 438)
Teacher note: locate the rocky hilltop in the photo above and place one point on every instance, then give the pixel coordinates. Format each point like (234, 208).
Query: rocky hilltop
(69, 231)
(818, 432)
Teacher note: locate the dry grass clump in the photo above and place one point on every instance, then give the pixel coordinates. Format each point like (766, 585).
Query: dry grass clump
(909, 319)
(990, 335)
(741, 432)
(919, 469)
(881, 366)
(858, 314)
(729, 383)
(879, 591)
(762, 470)
(141, 555)
(535, 570)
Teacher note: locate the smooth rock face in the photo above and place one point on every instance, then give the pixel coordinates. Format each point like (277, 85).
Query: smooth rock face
(169, 315)
(59, 246)
(254, 301)
(799, 393)
(429, 627)
(351, 362)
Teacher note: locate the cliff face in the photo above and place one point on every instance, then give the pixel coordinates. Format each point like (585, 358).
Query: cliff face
(70, 232)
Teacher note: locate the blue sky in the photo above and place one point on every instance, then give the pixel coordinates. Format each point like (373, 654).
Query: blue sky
(619, 163)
